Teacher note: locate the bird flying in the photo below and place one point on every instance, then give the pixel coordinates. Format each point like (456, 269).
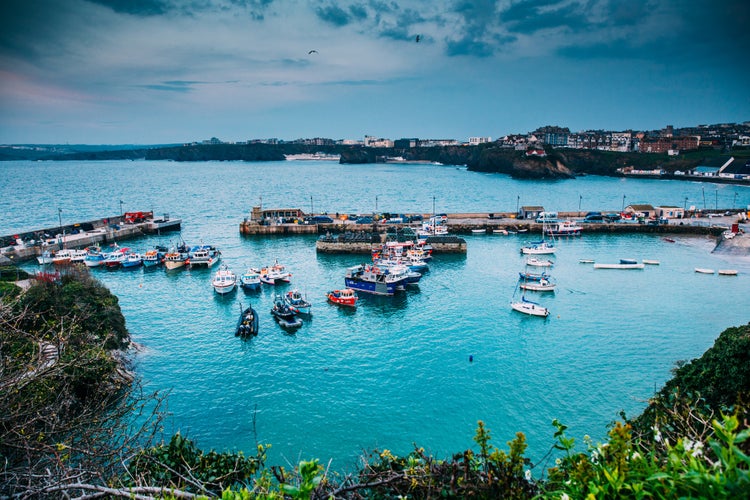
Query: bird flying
(418, 38)
(313, 51)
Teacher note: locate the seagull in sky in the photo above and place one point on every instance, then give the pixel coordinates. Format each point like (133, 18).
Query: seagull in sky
(418, 38)
(313, 51)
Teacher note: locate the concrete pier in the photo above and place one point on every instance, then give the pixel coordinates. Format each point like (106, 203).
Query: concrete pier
(80, 235)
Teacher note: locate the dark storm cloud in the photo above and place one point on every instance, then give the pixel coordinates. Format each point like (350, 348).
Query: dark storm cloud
(333, 14)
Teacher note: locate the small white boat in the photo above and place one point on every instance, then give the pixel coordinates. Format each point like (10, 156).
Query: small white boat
(224, 280)
(533, 261)
(500, 231)
(651, 262)
(586, 261)
(635, 265)
(538, 248)
(275, 274)
(478, 231)
(728, 272)
(703, 270)
(531, 308)
(543, 285)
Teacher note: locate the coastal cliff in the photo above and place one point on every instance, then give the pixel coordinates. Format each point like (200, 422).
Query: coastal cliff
(488, 157)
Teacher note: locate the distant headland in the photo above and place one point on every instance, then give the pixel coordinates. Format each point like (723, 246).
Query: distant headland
(717, 153)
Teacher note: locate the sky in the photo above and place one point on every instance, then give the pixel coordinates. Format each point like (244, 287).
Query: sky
(170, 71)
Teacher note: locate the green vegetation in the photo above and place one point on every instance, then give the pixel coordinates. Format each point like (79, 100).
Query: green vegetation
(73, 424)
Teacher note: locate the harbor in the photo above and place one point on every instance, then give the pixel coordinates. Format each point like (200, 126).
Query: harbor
(410, 349)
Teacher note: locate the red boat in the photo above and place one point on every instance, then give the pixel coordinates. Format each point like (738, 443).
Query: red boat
(345, 297)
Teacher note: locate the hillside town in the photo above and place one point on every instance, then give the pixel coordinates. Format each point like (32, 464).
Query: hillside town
(669, 140)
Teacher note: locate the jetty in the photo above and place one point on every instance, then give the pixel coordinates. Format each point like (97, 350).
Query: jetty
(28, 245)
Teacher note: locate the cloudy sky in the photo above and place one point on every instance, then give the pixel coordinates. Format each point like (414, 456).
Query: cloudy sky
(171, 71)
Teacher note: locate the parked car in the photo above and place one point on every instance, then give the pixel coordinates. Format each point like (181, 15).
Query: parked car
(321, 219)
(363, 220)
(612, 217)
(594, 218)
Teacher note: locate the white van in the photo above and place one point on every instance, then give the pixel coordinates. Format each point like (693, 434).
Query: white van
(546, 217)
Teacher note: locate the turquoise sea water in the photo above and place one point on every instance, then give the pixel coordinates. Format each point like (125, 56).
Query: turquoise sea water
(396, 371)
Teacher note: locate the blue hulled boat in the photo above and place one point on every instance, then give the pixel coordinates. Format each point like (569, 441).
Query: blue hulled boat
(373, 279)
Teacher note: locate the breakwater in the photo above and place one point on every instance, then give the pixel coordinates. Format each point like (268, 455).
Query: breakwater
(28, 245)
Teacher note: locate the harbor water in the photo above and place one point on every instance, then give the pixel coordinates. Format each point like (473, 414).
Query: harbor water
(420, 367)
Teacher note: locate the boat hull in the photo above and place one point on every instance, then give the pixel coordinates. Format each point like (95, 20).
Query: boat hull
(530, 308)
(372, 287)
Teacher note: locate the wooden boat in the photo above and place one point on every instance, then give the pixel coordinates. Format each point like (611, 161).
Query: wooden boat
(529, 307)
(346, 297)
(703, 270)
(728, 272)
(247, 324)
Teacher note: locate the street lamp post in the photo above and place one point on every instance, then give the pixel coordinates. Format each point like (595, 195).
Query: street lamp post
(312, 209)
(376, 204)
(716, 199)
(61, 235)
(734, 203)
(121, 212)
(623, 203)
(518, 202)
(580, 199)
(433, 205)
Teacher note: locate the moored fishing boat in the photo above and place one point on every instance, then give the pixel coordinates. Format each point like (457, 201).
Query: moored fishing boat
(224, 281)
(346, 297)
(275, 274)
(283, 314)
(250, 280)
(45, 257)
(204, 255)
(94, 257)
(132, 260)
(297, 302)
(373, 279)
(153, 258)
(564, 228)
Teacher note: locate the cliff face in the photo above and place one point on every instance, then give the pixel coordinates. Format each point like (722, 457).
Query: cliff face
(518, 165)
